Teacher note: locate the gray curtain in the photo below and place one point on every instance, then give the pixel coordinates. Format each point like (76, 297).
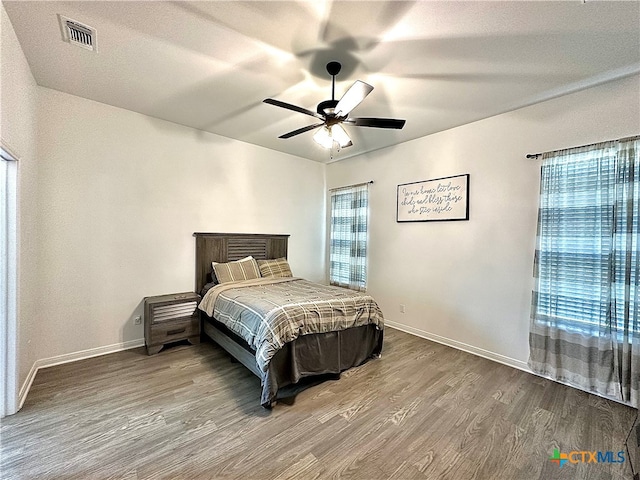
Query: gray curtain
(585, 327)
(348, 237)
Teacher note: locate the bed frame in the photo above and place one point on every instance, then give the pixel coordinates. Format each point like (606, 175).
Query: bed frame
(227, 247)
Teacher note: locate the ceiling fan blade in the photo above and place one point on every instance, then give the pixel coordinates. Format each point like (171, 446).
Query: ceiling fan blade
(350, 100)
(301, 130)
(376, 122)
(295, 108)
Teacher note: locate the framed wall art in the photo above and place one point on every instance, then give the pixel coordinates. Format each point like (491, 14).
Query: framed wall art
(440, 199)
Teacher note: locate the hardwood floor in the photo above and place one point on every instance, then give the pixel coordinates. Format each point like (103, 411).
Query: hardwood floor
(422, 411)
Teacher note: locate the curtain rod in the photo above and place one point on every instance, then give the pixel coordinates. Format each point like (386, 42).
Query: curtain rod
(350, 186)
(625, 139)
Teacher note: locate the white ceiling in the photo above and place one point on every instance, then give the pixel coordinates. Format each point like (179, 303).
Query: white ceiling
(437, 64)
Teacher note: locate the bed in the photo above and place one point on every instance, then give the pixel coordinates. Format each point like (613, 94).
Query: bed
(306, 351)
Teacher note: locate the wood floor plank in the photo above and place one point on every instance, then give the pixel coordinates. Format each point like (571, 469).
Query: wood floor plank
(421, 411)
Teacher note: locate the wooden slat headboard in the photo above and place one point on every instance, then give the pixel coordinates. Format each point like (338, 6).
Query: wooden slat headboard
(227, 247)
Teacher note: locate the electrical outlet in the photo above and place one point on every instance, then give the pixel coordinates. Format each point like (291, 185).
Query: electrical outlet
(137, 320)
(401, 308)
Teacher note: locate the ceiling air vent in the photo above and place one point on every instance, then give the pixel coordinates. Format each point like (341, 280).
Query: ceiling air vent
(78, 34)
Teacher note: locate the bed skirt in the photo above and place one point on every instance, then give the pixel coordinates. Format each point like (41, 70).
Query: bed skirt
(304, 357)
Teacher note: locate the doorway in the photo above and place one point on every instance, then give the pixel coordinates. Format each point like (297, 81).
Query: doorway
(8, 280)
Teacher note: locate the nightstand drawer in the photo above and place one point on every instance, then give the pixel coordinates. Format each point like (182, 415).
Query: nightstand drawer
(171, 318)
(175, 330)
(175, 311)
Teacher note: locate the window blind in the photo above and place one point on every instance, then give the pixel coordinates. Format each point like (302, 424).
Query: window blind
(583, 227)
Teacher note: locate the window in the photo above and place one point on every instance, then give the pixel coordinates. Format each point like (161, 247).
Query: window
(587, 257)
(348, 237)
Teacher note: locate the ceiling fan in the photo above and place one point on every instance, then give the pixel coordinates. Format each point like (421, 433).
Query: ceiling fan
(334, 113)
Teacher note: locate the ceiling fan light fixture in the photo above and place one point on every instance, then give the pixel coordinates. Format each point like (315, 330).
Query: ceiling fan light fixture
(327, 135)
(339, 135)
(323, 137)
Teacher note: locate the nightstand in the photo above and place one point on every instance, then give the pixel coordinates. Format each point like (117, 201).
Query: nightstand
(170, 318)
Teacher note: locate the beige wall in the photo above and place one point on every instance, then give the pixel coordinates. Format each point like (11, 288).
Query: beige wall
(120, 196)
(469, 283)
(18, 99)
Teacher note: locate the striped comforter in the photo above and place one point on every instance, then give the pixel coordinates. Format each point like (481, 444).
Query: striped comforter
(269, 312)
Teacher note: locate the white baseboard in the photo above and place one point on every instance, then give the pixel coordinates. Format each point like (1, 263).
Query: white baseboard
(26, 386)
(480, 352)
(72, 357)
